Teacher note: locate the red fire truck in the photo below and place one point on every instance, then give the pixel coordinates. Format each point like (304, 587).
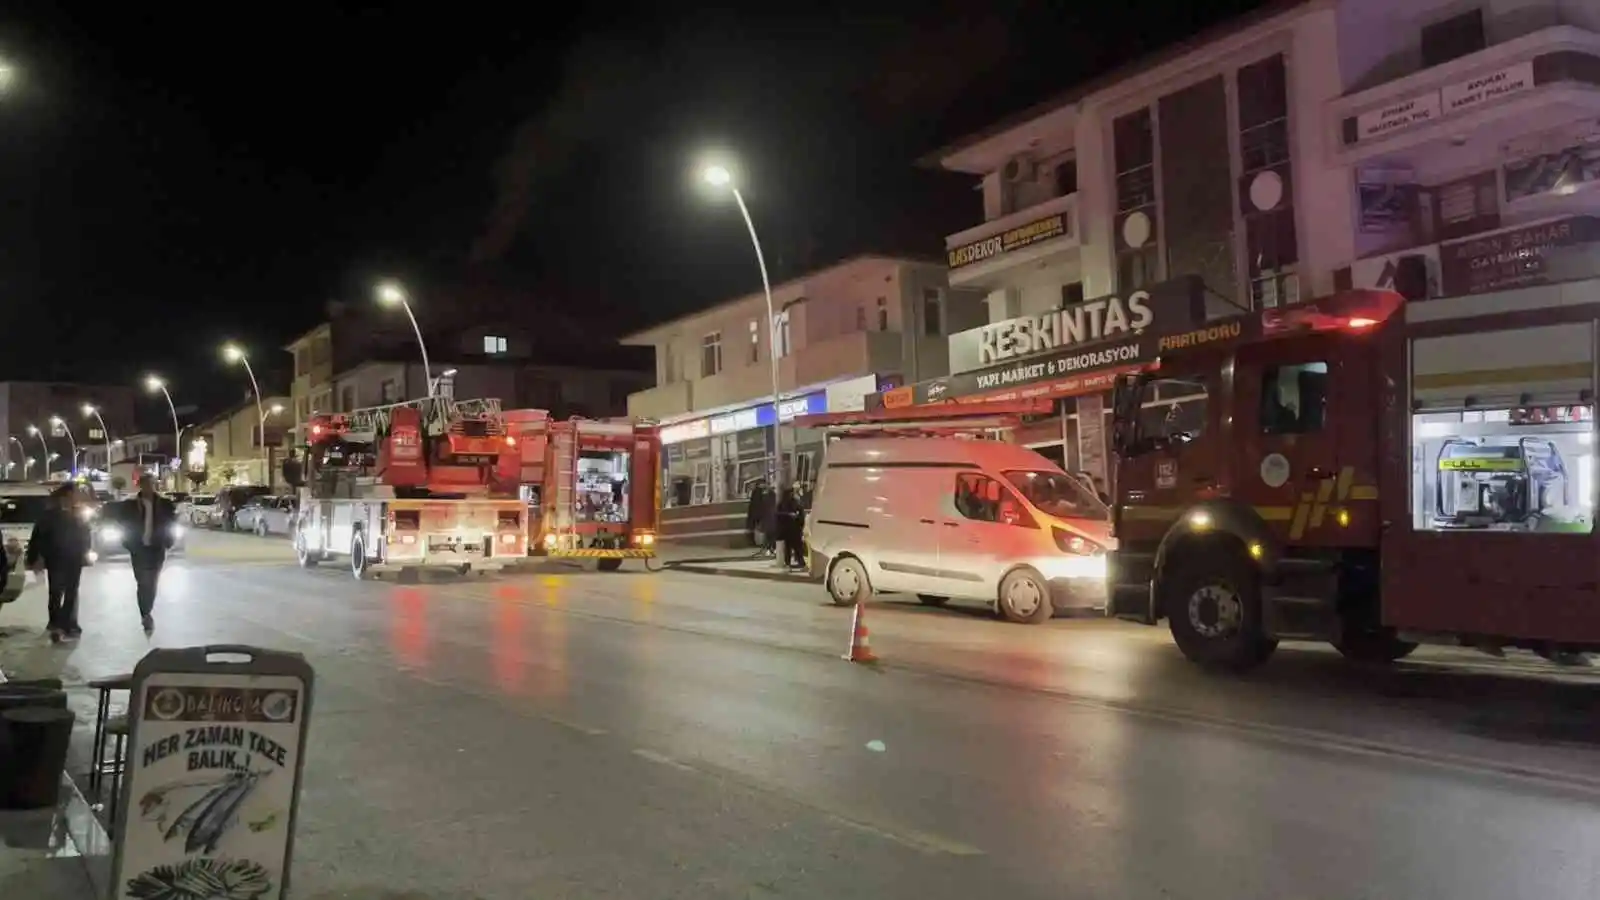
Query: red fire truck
(1367, 472)
(408, 486)
(592, 484)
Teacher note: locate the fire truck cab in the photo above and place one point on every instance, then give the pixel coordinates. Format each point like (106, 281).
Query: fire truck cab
(1365, 472)
(592, 486)
(407, 487)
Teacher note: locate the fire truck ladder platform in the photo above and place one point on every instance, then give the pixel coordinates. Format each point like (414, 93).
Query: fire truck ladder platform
(439, 416)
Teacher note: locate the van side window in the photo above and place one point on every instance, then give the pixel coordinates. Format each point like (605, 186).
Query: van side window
(1294, 398)
(983, 499)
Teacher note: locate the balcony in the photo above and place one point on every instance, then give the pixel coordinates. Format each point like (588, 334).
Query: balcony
(978, 254)
(1523, 86)
(661, 402)
(845, 356)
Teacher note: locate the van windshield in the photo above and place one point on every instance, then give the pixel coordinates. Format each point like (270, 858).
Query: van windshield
(1058, 494)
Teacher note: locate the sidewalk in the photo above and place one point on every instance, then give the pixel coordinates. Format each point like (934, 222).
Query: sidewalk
(47, 853)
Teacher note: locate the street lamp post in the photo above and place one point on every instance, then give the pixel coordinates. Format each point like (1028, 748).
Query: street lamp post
(92, 411)
(154, 383)
(233, 353)
(391, 293)
(58, 422)
(27, 463)
(43, 445)
(13, 439)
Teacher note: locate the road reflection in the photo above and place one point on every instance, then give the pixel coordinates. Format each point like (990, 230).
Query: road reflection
(409, 634)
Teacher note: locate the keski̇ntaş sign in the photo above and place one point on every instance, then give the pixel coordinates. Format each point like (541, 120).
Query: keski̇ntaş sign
(1088, 323)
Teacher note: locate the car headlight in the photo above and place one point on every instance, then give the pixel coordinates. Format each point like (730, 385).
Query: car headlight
(177, 532)
(87, 512)
(110, 533)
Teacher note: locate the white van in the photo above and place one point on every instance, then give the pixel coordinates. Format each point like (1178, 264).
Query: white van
(953, 518)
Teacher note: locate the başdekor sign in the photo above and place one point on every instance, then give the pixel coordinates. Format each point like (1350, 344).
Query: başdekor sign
(1006, 241)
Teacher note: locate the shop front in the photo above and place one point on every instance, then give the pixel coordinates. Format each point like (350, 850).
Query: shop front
(718, 458)
(1072, 356)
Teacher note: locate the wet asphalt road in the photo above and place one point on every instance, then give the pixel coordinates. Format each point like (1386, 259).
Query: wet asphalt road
(568, 733)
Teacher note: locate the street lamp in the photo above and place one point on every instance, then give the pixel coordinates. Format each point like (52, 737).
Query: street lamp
(92, 411)
(390, 293)
(717, 176)
(154, 383)
(27, 463)
(235, 354)
(34, 430)
(58, 422)
(433, 387)
(8, 76)
(13, 439)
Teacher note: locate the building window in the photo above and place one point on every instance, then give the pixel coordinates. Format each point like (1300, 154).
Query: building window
(1453, 38)
(1266, 185)
(1071, 294)
(669, 364)
(861, 318)
(300, 367)
(494, 344)
(391, 391)
(932, 309)
(1066, 175)
(883, 314)
(755, 341)
(1134, 151)
(347, 399)
(711, 354)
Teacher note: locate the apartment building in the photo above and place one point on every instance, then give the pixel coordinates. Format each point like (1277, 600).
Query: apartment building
(230, 448)
(840, 334)
(1429, 145)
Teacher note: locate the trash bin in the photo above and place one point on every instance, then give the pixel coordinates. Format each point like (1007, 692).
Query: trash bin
(18, 695)
(38, 738)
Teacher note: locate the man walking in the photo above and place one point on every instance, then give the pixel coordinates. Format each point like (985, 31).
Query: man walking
(59, 547)
(148, 520)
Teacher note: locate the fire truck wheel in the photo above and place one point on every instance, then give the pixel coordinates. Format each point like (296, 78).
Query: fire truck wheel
(1376, 646)
(302, 554)
(1024, 597)
(358, 557)
(609, 565)
(848, 583)
(1213, 604)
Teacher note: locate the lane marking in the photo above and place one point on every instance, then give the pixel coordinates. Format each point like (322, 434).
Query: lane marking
(664, 760)
(579, 727)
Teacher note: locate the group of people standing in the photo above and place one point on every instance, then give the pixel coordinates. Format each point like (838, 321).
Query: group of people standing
(62, 539)
(771, 518)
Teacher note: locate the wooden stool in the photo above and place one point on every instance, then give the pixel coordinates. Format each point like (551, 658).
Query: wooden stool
(102, 715)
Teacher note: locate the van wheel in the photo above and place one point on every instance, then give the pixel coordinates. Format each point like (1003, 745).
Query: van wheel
(932, 600)
(261, 528)
(302, 554)
(848, 583)
(1024, 597)
(358, 558)
(1213, 606)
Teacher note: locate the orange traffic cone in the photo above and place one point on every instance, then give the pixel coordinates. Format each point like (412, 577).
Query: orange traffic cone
(860, 641)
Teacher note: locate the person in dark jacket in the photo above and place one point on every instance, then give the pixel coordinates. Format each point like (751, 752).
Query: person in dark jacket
(791, 527)
(147, 521)
(60, 547)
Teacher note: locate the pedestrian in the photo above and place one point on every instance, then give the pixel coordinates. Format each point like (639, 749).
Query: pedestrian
(148, 521)
(791, 528)
(59, 547)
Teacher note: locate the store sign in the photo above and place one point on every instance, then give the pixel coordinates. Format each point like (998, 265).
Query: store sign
(1398, 116)
(1044, 229)
(686, 431)
(745, 419)
(1517, 257)
(215, 753)
(1082, 325)
(739, 421)
(1474, 92)
(809, 405)
(850, 396)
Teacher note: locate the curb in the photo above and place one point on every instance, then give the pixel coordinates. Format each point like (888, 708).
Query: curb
(752, 574)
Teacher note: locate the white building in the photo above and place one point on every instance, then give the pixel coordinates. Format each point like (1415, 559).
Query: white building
(842, 333)
(1310, 147)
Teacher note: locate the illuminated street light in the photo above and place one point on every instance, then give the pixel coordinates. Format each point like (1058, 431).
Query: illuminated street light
(13, 439)
(718, 176)
(61, 423)
(390, 293)
(235, 354)
(154, 383)
(90, 410)
(8, 77)
(43, 445)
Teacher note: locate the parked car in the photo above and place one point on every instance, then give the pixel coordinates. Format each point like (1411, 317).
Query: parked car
(231, 500)
(20, 508)
(267, 515)
(197, 512)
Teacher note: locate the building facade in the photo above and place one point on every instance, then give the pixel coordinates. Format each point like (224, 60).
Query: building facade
(517, 383)
(33, 443)
(840, 334)
(231, 446)
(1314, 146)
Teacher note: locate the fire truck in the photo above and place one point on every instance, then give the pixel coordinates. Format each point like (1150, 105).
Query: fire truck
(591, 485)
(408, 486)
(1369, 472)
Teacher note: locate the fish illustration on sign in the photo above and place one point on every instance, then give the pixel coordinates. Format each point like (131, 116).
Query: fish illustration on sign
(211, 810)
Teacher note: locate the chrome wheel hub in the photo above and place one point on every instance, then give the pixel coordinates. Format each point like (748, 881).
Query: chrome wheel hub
(1215, 611)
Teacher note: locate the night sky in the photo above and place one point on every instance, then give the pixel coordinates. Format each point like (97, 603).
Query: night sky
(168, 182)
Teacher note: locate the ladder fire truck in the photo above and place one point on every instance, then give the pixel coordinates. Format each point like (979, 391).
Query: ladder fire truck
(593, 483)
(408, 486)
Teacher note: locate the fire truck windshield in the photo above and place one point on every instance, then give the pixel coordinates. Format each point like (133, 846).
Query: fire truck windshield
(1058, 495)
